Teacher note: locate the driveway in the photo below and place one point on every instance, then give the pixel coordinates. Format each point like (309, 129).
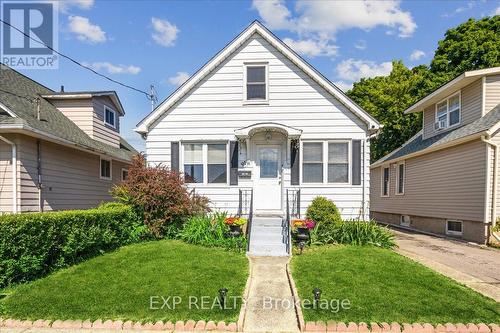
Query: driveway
(474, 266)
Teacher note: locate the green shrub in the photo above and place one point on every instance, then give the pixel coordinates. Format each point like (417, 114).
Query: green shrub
(323, 211)
(353, 233)
(211, 231)
(497, 225)
(35, 244)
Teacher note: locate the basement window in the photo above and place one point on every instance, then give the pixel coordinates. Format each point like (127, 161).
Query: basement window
(454, 228)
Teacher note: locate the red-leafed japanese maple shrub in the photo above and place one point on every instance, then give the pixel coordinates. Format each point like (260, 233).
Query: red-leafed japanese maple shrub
(158, 194)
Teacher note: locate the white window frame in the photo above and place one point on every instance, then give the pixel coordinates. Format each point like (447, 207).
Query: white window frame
(123, 169)
(325, 162)
(102, 158)
(397, 177)
(447, 99)
(106, 108)
(388, 182)
(452, 232)
(255, 101)
(204, 150)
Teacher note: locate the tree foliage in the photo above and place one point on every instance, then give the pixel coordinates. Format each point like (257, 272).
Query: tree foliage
(474, 44)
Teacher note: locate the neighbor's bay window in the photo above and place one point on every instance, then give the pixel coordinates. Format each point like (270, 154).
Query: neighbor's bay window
(205, 163)
(256, 82)
(330, 158)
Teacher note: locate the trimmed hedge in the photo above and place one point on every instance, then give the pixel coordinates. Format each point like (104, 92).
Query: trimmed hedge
(35, 244)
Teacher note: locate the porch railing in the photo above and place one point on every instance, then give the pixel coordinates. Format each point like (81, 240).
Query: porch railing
(292, 212)
(245, 209)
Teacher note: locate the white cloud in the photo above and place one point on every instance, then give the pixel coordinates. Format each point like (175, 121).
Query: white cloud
(344, 86)
(113, 69)
(178, 79)
(326, 18)
(165, 32)
(85, 30)
(312, 48)
(460, 9)
(81, 4)
(497, 11)
(353, 70)
(416, 55)
(360, 44)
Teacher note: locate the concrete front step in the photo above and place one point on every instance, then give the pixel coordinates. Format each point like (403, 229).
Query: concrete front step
(266, 238)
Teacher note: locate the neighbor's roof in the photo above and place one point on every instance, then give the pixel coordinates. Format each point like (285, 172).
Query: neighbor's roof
(255, 27)
(451, 87)
(87, 94)
(17, 94)
(486, 125)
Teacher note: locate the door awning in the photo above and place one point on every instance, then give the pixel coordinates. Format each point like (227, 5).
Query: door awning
(249, 131)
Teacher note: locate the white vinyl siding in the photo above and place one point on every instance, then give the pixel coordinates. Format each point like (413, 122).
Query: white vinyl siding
(213, 110)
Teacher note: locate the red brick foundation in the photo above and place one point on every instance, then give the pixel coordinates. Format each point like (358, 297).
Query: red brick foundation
(340, 327)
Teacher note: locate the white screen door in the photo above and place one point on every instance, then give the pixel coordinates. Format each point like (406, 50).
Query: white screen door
(268, 178)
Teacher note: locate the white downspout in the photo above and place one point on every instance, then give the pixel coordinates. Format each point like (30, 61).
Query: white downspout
(14, 172)
(495, 181)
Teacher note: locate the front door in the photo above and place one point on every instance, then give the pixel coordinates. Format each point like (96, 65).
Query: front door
(268, 178)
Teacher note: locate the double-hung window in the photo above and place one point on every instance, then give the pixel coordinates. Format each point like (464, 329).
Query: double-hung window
(385, 181)
(312, 162)
(400, 186)
(448, 112)
(105, 169)
(325, 162)
(205, 163)
(193, 163)
(338, 162)
(109, 117)
(256, 82)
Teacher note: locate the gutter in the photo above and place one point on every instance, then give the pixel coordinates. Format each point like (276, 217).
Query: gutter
(14, 172)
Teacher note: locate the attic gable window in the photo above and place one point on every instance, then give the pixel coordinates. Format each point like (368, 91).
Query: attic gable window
(448, 112)
(255, 82)
(109, 117)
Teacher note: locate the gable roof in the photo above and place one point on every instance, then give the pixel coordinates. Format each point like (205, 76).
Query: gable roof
(450, 87)
(17, 93)
(255, 27)
(486, 125)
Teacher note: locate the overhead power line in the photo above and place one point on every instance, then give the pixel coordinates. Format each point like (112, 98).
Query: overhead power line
(151, 96)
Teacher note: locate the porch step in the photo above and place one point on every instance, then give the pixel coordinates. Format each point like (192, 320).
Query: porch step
(266, 237)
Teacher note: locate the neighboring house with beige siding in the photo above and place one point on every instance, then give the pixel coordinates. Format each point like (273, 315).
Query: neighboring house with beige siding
(58, 150)
(444, 180)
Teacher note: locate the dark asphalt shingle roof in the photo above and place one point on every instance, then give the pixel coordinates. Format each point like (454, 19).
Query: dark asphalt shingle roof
(417, 143)
(16, 90)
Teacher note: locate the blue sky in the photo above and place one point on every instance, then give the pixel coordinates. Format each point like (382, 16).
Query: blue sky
(162, 42)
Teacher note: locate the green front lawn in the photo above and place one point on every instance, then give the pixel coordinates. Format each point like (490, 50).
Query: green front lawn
(383, 286)
(120, 285)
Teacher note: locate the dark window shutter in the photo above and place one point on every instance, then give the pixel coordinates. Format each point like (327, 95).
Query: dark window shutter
(174, 154)
(295, 161)
(233, 153)
(356, 162)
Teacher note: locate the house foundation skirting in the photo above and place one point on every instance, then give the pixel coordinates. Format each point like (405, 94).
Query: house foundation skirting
(474, 231)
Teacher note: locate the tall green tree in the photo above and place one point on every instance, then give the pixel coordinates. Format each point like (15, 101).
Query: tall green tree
(386, 98)
(474, 44)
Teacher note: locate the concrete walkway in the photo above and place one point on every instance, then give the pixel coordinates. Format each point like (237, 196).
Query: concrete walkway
(269, 306)
(476, 267)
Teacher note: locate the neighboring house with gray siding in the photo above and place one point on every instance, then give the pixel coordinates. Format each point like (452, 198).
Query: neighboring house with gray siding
(58, 150)
(444, 180)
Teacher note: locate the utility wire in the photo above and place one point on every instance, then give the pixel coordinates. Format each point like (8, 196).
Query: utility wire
(148, 95)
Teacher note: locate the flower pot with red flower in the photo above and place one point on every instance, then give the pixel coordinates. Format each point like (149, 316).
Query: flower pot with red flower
(235, 224)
